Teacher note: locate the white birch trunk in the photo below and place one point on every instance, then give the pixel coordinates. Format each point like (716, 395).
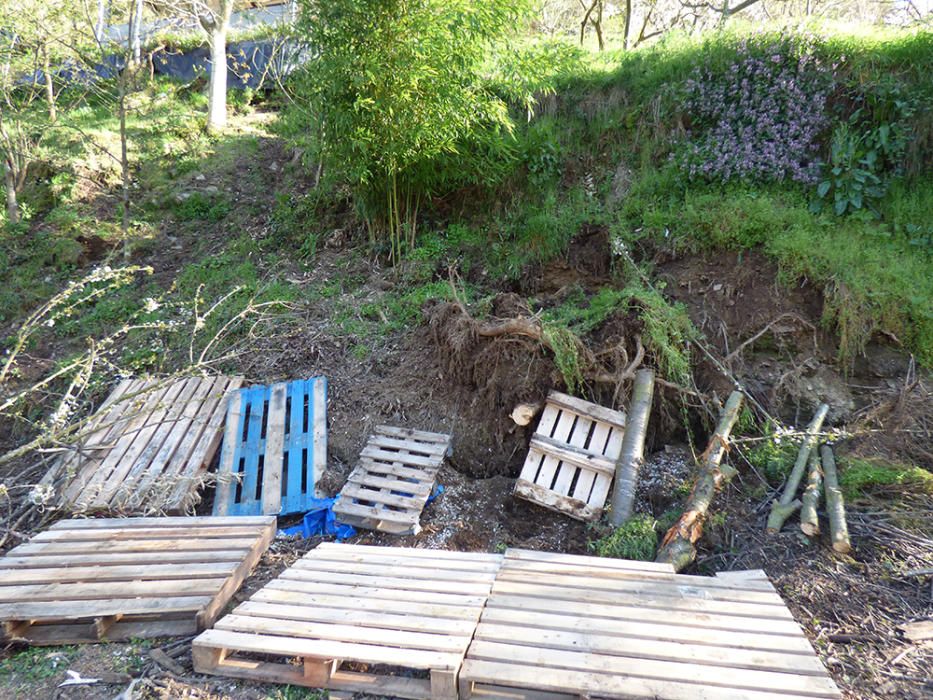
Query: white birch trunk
(217, 100)
(633, 447)
(12, 206)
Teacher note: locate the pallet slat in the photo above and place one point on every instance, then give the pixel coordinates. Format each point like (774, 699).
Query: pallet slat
(141, 577)
(393, 481)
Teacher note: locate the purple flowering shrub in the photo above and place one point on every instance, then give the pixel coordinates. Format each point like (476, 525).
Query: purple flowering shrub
(760, 118)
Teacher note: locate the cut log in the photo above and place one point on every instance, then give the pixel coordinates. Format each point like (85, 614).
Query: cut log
(524, 412)
(678, 547)
(782, 509)
(809, 520)
(633, 447)
(835, 503)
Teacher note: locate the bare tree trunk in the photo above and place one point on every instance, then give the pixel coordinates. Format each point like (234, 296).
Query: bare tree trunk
(835, 504)
(9, 179)
(809, 520)
(136, 22)
(49, 85)
(100, 27)
(586, 19)
(781, 510)
(628, 24)
(633, 447)
(598, 25)
(124, 160)
(217, 101)
(679, 544)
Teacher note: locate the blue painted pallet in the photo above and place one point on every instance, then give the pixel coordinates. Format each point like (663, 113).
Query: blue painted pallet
(274, 449)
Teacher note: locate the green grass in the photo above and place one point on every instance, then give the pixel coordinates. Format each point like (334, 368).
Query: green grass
(36, 664)
(861, 478)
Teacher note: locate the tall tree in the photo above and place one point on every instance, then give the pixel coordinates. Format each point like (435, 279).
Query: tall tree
(215, 21)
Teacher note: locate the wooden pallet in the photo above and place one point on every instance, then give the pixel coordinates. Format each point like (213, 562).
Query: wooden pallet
(562, 626)
(123, 578)
(571, 458)
(392, 484)
(274, 449)
(146, 450)
(384, 607)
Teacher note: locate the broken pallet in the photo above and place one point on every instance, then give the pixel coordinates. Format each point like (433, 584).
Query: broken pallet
(146, 450)
(384, 607)
(393, 481)
(562, 626)
(571, 458)
(120, 578)
(274, 449)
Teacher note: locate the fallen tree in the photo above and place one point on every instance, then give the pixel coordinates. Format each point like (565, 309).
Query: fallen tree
(633, 447)
(678, 547)
(809, 521)
(835, 504)
(783, 508)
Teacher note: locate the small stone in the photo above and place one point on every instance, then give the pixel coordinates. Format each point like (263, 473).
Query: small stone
(273, 166)
(200, 177)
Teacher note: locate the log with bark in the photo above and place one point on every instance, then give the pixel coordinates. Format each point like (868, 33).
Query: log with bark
(782, 509)
(835, 504)
(679, 544)
(633, 447)
(809, 520)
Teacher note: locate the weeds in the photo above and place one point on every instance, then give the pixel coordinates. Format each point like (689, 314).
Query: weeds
(861, 478)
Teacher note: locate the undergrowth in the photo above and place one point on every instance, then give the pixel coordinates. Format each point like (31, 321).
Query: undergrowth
(636, 539)
(862, 478)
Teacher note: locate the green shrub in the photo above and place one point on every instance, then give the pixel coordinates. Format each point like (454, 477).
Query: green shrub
(200, 206)
(860, 478)
(636, 539)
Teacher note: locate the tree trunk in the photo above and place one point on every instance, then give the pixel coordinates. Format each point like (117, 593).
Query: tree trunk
(124, 160)
(49, 85)
(835, 504)
(598, 25)
(679, 544)
(102, 23)
(781, 510)
(628, 24)
(217, 100)
(136, 22)
(809, 520)
(633, 447)
(9, 179)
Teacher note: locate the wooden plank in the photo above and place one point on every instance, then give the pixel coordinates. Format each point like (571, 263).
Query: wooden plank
(420, 475)
(400, 571)
(82, 632)
(319, 421)
(339, 600)
(362, 476)
(188, 522)
(275, 443)
(417, 552)
(411, 434)
(385, 498)
(652, 626)
(395, 516)
(298, 459)
(378, 453)
(565, 422)
(86, 609)
(607, 685)
(359, 591)
(573, 455)
(587, 408)
(116, 559)
(645, 650)
(553, 501)
(112, 590)
(425, 449)
(401, 619)
(603, 482)
(333, 631)
(168, 546)
(635, 612)
(408, 584)
(118, 534)
(598, 443)
(559, 558)
(251, 450)
(372, 556)
(115, 573)
(577, 443)
(290, 646)
(226, 483)
(679, 588)
(644, 600)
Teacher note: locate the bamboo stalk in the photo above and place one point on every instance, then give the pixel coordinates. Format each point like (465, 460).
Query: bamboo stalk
(835, 503)
(633, 447)
(809, 520)
(679, 544)
(782, 509)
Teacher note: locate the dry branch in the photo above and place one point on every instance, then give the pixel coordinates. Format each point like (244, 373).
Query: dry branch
(679, 544)
(835, 504)
(782, 509)
(809, 520)
(633, 447)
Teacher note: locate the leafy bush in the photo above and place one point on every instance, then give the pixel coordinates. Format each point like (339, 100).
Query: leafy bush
(864, 477)
(636, 538)
(201, 207)
(759, 119)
